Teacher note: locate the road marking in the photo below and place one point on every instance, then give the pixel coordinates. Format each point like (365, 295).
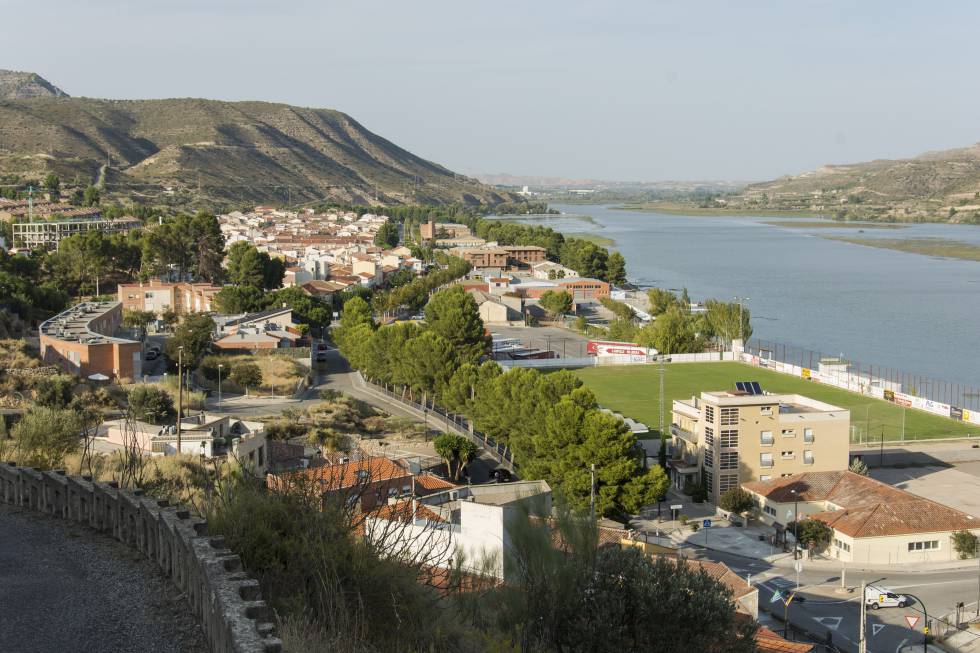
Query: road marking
(898, 649)
(829, 622)
(945, 582)
(876, 628)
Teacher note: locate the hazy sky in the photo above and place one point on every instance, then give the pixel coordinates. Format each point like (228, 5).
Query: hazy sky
(631, 90)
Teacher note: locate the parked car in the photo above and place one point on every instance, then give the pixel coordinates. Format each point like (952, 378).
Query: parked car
(501, 475)
(152, 354)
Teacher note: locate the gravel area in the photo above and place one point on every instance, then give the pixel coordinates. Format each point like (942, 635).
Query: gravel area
(64, 587)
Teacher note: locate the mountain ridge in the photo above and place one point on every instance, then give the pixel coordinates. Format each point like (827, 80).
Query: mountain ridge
(200, 151)
(19, 85)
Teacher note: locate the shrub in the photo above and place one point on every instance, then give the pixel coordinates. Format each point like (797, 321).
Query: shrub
(151, 404)
(736, 500)
(965, 544)
(44, 436)
(329, 394)
(246, 375)
(811, 533)
(54, 391)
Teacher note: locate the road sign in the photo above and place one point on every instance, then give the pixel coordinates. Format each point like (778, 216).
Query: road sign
(776, 596)
(706, 523)
(911, 620)
(876, 628)
(789, 514)
(677, 506)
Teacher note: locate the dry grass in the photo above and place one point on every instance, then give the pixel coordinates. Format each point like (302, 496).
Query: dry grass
(278, 371)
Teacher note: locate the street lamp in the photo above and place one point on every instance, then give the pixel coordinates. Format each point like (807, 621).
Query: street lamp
(796, 522)
(220, 366)
(180, 392)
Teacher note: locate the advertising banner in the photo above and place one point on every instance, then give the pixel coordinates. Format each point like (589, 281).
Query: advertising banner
(956, 412)
(805, 373)
(889, 395)
(903, 399)
(935, 407)
(971, 416)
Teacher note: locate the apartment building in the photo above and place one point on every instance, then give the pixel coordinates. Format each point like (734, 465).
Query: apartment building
(160, 296)
(526, 254)
(727, 438)
(81, 342)
(482, 257)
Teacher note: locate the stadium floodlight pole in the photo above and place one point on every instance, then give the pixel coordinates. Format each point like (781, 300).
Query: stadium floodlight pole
(180, 392)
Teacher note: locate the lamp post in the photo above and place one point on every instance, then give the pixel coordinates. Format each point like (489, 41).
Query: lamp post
(180, 392)
(220, 366)
(796, 522)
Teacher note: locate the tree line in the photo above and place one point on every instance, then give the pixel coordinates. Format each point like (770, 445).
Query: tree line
(551, 422)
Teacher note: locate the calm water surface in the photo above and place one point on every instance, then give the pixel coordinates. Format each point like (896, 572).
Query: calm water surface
(917, 313)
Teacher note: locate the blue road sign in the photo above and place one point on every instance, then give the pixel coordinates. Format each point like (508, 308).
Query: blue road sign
(706, 523)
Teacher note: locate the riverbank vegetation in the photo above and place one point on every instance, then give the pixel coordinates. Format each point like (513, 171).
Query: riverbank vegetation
(926, 246)
(832, 224)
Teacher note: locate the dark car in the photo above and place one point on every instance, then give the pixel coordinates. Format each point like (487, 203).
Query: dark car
(501, 475)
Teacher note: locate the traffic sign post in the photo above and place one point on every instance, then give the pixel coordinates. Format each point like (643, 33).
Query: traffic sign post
(798, 565)
(673, 509)
(706, 524)
(911, 620)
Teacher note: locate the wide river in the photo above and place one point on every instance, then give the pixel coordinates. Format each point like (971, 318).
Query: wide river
(916, 313)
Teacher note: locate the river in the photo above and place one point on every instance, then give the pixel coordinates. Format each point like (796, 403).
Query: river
(916, 313)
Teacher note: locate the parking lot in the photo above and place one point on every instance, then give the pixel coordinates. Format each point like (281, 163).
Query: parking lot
(565, 343)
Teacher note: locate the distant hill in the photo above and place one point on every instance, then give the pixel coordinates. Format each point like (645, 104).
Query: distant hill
(16, 85)
(942, 185)
(193, 151)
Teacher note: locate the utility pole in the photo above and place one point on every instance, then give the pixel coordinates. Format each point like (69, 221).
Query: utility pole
(862, 643)
(30, 204)
(592, 490)
(219, 386)
(180, 392)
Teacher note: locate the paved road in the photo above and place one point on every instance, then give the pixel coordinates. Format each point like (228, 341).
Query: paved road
(826, 611)
(66, 588)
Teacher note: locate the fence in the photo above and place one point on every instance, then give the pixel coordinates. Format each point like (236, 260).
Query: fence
(953, 400)
(455, 422)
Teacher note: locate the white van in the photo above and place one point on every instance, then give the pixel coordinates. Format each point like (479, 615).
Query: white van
(882, 597)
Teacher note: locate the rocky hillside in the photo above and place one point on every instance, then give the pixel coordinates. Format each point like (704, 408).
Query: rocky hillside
(192, 151)
(16, 85)
(934, 186)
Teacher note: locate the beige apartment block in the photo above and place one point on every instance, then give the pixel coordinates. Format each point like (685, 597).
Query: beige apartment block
(725, 439)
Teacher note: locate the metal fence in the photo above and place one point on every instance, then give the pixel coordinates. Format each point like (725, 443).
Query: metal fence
(954, 394)
(455, 422)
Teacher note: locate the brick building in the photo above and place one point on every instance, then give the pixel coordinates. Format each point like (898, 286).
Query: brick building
(81, 342)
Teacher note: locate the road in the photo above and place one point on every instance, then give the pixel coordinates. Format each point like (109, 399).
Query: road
(825, 611)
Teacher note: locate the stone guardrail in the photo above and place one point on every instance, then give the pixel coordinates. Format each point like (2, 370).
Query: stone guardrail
(221, 595)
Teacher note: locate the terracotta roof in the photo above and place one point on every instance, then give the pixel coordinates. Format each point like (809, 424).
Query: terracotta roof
(432, 483)
(868, 508)
(766, 641)
(720, 572)
(344, 475)
(403, 511)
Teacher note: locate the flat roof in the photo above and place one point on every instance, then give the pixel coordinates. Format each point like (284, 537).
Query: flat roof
(75, 324)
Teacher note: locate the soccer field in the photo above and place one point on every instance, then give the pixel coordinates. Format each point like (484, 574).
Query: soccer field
(634, 390)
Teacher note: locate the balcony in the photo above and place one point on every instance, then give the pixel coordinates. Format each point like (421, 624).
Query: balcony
(683, 434)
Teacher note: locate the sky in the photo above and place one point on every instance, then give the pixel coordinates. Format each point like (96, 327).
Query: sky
(617, 90)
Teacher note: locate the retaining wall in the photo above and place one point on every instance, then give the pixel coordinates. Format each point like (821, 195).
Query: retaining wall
(223, 598)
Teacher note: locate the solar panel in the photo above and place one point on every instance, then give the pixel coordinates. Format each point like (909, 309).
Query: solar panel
(740, 386)
(756, 388)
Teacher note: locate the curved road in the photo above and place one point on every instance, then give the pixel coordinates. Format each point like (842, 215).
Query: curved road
(64, 588)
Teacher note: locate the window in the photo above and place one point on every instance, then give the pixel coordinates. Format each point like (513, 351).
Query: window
(808, 435)
(765, 437)
(788, 455)
(765, 477)
(789, 433)
(807, 457)
(709, 413)
(729, 460)
(709, 436)
(708, 480)
(261, 456)
(727, 482)
(729, 439)
(928, 545)
(765, 410)
(842, 545)
(729, 416)
(769, 510)
(709, 458)
(765, 459)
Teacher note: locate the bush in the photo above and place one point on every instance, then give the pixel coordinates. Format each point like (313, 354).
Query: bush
(965, 544)
(328, 394)
(54, 391)
(44, 436)
(811, 533)
(151, 404)
(736, 500)
(246, 375)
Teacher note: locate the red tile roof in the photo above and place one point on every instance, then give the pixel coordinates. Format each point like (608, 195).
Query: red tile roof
(342, 475)
(767, 641)
(869, 508)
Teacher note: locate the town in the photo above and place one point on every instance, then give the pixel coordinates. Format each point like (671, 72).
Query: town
(440, 388)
